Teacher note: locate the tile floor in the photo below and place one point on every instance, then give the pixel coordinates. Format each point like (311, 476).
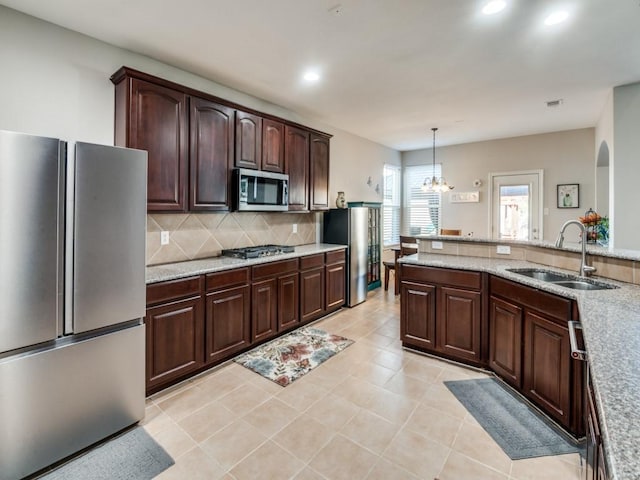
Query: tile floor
(374, 411)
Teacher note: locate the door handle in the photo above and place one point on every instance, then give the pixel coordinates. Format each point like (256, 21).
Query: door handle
(576, 353)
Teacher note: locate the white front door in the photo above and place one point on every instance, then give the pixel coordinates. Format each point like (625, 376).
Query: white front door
(516, 205)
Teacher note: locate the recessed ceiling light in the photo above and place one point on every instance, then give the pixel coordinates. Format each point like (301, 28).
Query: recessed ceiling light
(494, 6)
(556, 17)
(311, 76)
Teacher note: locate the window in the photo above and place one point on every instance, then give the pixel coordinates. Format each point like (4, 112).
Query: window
(391, 206)
(422, 209)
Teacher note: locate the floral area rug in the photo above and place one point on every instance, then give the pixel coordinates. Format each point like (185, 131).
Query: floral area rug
(287, 358)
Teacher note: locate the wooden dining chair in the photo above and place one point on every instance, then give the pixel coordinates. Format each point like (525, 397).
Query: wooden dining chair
(408, 246)
(449, 231)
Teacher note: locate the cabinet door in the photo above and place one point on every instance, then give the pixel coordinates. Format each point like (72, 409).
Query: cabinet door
(546, 365)
(319, 172)
(335, 280)
(458, 326)
(264, 309)
(296, 151)
(311, 294)
(505, 340)
(159, 125)
(211, 150)
(418, 315)
(288, 301)
(272, 146)
(174, 341)
(248, 140)
(228, 327)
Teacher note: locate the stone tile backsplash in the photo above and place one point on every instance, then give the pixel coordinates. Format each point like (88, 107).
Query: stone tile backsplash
(201, 235)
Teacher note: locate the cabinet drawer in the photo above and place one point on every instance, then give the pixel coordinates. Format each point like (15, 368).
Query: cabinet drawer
(172, 290)
(443, 276)
(274, 269)
(312, 261)
(228, 278)
(335, 257)
(552, 305)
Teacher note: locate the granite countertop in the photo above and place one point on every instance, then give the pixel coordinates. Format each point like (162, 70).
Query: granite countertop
(173, 271)
(592, 249)
(611, 329)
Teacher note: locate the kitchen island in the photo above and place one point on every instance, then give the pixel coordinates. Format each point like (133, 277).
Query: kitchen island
(611, 329)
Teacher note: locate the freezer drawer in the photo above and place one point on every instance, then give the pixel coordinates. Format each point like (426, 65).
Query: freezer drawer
(59, 401)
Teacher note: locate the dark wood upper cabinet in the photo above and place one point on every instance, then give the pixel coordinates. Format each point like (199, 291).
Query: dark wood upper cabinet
(195, 139)
(272, 146)
(248, 140)
(319, 172)
(154, 118)
(296, 152)
(211, 155)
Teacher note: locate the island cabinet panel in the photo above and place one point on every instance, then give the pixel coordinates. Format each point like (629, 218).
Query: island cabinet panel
(451, 312)
(319, 172)
(227, 314)
(418, 315)
(459, 323)
(546, 378)
(296, 151)
(248, 140)
(272, 146)
(211, 155)
(174, 331)
(505, 340)
(157, 122)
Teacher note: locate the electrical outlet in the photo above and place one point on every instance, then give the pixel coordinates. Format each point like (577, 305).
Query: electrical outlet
(164, 237)
(436, 245)
(295, 228)
(503, 250)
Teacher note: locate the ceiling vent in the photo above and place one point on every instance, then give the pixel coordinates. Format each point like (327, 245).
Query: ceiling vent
(554, 103)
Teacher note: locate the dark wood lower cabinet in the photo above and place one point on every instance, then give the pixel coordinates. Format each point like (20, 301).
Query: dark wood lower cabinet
(418, 315)
(264, 309)
(288, 301)
(197, 322)
(596, 467)
(174, 341)
(312, 294)
(546, 376)
(335, 278)
(459, 321)
(505, 340)
(228, 322)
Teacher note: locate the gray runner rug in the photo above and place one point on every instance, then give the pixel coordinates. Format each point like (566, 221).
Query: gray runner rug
(131, 456)
(519, 430)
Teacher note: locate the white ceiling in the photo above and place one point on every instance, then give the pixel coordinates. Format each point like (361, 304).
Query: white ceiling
(391, 69)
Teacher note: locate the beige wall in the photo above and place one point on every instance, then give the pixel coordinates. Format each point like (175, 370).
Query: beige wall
(55, 82)
(565, 157)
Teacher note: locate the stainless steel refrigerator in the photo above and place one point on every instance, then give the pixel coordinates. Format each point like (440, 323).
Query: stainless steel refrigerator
(349, 226)
(72, 297)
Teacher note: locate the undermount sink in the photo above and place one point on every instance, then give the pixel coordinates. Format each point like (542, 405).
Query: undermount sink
(562, 279)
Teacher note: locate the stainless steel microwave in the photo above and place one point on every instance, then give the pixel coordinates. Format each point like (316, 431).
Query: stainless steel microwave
(258, 191)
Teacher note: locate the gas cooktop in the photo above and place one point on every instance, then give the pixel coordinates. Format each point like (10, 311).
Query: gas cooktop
(258, 251)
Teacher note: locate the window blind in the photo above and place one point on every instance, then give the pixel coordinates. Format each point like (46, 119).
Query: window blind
(422, 209)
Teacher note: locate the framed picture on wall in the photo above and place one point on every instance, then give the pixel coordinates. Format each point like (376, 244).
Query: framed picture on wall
(569, 195)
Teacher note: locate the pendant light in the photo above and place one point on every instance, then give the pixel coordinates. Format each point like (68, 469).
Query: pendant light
(434, 184)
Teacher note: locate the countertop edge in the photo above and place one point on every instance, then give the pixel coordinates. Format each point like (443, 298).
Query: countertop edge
(202, 266)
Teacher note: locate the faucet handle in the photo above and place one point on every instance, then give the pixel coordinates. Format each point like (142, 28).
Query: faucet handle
(588, 270)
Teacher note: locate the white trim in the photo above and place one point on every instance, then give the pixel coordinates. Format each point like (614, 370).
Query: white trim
(540, 173)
